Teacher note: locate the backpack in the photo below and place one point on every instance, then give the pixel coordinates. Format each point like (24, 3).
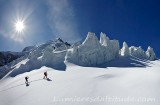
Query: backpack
(45, 73)
(26, 78)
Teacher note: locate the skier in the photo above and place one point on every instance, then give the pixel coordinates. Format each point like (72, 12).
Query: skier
(45, 75)
(27, 83)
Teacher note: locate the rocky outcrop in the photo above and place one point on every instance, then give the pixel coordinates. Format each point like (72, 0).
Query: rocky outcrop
(7, 57)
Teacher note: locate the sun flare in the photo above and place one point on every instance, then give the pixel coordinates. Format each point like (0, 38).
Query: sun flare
(19, 26)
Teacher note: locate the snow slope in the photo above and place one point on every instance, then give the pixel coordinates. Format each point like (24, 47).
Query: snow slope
(83, 85)
(50, 54)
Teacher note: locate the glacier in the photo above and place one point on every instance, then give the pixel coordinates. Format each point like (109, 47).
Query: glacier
(127, 75)
(92, 52)
(137, 52)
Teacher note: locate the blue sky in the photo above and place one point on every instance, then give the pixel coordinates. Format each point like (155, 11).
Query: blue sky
(135, 21)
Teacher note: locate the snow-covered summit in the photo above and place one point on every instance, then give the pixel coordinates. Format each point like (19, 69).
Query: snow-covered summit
(57, 45)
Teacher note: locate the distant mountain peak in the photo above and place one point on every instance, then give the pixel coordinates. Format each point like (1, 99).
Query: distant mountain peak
(59, 39)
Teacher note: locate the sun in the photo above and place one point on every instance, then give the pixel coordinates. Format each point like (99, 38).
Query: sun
(19, 26)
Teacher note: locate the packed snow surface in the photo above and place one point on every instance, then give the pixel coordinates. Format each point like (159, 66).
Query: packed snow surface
(84, 86)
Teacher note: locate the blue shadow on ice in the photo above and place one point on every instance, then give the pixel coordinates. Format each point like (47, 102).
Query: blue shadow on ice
(32, 65)
(126, 62)
(21, 85)
(118, 62)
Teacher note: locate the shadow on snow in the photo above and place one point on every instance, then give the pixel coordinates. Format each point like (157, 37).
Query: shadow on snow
(27, 84)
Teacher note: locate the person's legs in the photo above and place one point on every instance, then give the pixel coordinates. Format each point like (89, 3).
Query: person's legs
(26, 80)
(44, 76)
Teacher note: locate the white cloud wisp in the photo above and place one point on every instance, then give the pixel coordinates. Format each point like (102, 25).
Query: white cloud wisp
(62, 20)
